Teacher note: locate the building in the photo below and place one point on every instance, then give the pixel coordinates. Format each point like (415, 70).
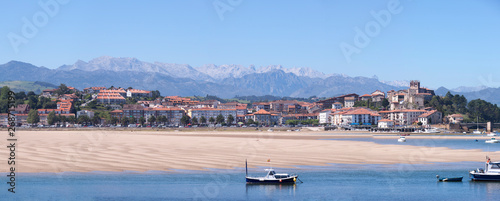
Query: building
(135, 93)
(299, 117)
(328, 102)
(110, 98)
(360, 116)
(21, 109)
(377, 96)
(120, 91)
(261, 106)
(136, 111)
(87, 113)
(366, 97)
(403, 117)
(173, 114)
(385, 123)
(337, 106)
(455, 118)
(212, 112)
(264, 117)
(324, 116)
(349, 101)
(412, 98)
(431, 117)
(116, 113)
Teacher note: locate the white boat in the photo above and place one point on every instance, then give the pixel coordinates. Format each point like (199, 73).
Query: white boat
(491, 134)
(491, 173)
(492, 140)
(477, 131)
(431, 130)
(402, 139)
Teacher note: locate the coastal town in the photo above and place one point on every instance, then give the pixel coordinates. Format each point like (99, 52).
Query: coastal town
(120, 107)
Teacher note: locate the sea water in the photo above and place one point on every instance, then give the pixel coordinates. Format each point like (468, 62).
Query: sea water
(332, 182)
(335, 182)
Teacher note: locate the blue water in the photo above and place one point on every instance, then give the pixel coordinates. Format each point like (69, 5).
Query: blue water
(337, 182)
(450, 143)
(333, 182)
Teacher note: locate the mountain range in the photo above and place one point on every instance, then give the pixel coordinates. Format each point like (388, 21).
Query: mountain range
(224, 81)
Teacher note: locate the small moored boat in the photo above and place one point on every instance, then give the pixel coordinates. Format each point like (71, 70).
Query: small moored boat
(449, 178)
(402, 139)
(272, 178)
(492, 140)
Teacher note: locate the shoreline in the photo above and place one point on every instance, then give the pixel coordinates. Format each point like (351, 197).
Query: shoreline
(118, 151)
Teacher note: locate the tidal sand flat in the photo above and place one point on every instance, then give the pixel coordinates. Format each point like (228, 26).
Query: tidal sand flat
(99, 150)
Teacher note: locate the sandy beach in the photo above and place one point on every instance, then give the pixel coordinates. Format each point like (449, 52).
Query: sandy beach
(99, 150)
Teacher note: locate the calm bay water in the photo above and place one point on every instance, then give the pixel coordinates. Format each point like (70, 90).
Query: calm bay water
(334, 182)
(346, 182)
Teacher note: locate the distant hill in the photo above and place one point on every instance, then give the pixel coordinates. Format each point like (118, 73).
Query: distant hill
(491, 95)
(27, 86)
(225, 81)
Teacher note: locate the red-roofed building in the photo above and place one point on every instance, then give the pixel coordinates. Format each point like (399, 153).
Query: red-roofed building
(403, 117)
(431, 117)
(110, 98)
(365, 97)
(360, 116)
(138, 93)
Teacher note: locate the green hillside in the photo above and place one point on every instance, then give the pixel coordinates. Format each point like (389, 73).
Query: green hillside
(27, 86)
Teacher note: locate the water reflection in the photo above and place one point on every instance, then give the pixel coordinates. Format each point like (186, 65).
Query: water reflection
(271, 189)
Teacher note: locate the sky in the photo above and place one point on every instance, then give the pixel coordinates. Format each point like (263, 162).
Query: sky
(441, 43)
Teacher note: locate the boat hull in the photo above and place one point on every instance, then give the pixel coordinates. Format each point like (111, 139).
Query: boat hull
(451, 179)
(484, 177)
(288, 180)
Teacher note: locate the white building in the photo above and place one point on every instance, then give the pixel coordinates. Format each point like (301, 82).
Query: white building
(88, 113)
(349, 101)
(324, 116)
(360, 116)
(431, 117)
(403, 117)
(337, 105)
(385, 123)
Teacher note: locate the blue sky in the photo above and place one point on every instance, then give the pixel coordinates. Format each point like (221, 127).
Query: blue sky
(440, 43)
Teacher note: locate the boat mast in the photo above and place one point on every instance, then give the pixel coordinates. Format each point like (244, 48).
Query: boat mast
(246, 167)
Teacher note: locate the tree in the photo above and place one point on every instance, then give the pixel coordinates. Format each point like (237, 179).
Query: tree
(155, 94)
(4, 93)
(83, 119)
(185, 120)
(96, 120)
(51, 118)
(72, 119)
(151, 119)
(63, 89)
(33, 117)
(124, 121)
(220, 119)
(142, 120)
(385, 103)
(194, 120)
(230, 119)
(203, 120)
(211, 120)
(250, 121)
(132, 120)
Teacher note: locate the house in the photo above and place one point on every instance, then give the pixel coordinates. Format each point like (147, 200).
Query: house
(91, 90)
(264, 117)
(21, 109)
(48, 92)
(299, 117)
(120, 91)
(349, 101)
(431, 117)
(385, 123)
(366, 97)
(455, 118)
(377, 96)
(116, 113)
